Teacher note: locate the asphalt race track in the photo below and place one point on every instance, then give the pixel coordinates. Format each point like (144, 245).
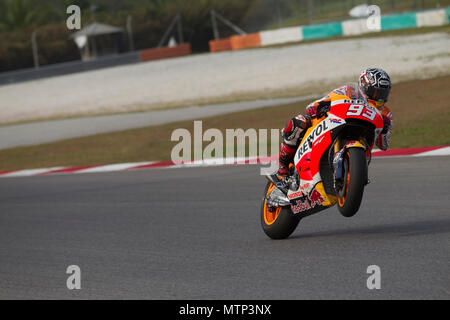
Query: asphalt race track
(195, 234)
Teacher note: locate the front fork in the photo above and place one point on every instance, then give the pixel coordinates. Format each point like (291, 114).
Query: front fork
(338, 160)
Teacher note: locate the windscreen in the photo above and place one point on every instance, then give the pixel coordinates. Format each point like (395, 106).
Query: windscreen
(354, 92)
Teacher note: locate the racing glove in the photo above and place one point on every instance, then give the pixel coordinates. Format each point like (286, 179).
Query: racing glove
(387, 124)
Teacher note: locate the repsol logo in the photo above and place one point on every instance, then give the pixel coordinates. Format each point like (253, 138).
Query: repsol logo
(317, 131)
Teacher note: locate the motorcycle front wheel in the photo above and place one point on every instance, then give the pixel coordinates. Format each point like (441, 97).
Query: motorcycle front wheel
(355, 174)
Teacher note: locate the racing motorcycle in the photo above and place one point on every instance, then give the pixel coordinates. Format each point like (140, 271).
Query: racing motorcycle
(330, 166)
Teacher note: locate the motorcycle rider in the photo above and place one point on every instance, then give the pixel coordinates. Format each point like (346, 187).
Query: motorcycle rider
(374, 84)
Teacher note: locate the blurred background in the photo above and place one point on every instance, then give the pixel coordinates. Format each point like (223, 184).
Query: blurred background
(148, 20)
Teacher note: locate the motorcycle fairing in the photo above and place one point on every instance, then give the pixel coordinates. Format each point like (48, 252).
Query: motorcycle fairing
(338, 110)
(311, 196)
(312, 202)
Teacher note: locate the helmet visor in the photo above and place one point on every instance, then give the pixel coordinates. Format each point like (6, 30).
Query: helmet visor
(379, 94)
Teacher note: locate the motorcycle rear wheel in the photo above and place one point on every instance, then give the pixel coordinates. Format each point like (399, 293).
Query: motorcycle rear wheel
(355, 173)
(279, 223)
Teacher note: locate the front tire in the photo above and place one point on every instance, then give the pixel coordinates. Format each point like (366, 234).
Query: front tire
(355, 176)
(280, 223)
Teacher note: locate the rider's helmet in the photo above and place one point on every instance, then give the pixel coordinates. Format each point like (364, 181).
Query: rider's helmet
(375, 83)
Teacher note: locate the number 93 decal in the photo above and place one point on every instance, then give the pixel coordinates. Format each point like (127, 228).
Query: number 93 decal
(361, 110)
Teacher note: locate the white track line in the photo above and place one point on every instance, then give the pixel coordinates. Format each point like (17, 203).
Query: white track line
(438, 152)
(114, 167)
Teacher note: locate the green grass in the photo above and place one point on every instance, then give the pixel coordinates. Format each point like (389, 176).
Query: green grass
(433, 132)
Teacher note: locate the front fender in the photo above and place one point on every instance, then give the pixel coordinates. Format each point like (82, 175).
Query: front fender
(355, 144)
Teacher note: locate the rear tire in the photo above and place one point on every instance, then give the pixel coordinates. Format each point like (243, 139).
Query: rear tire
(278, 225)
(355, 176)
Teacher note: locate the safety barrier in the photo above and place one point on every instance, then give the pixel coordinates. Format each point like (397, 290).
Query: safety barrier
(317, 31)
(399, 21)
(432, 18)
(273, 37)
(220, 45)
(355, 27)
(239, 42)
(435, 17)
(245, 41)
(165, 52)
(60, 69)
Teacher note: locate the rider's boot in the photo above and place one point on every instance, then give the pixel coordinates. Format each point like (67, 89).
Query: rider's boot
(291, 135)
